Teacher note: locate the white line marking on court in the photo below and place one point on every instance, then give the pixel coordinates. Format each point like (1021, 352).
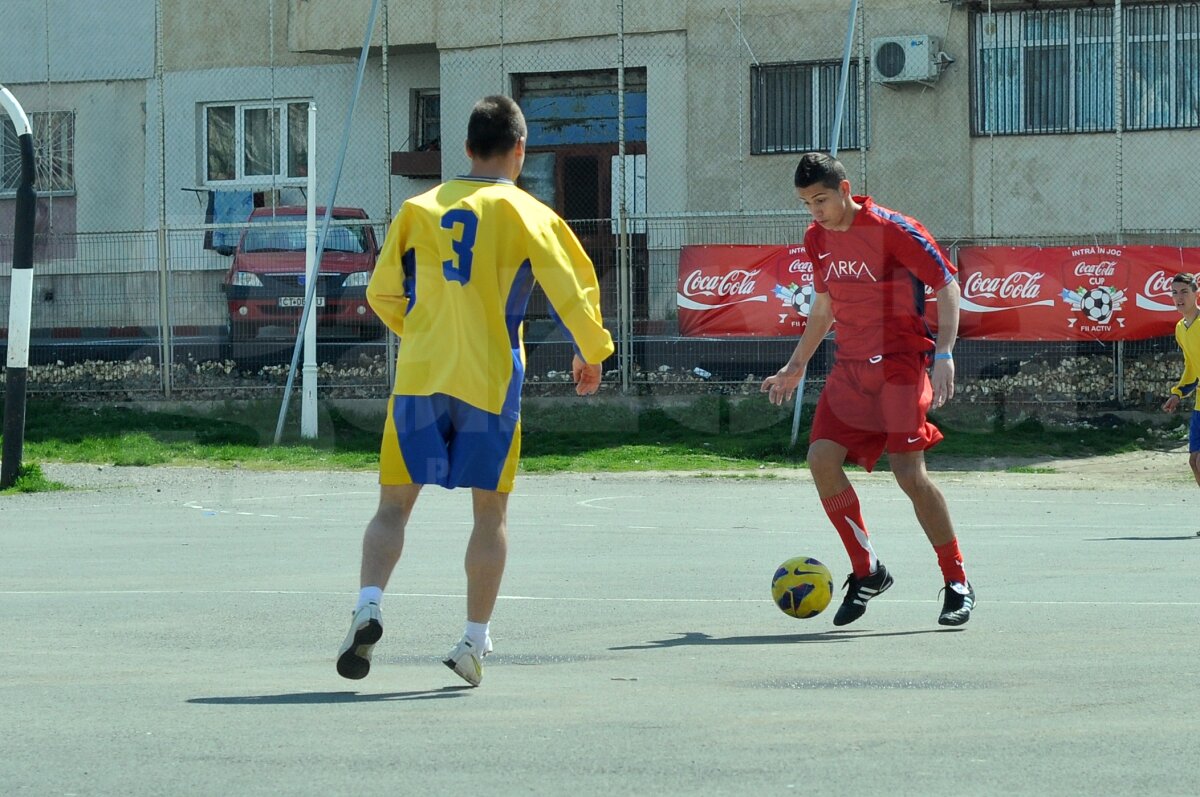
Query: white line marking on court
(301, 495)
(556, 599)
(579, 525)
(590, 502)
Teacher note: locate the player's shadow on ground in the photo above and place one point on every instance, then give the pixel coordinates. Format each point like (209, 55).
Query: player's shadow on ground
(313, 698)
(699, 638)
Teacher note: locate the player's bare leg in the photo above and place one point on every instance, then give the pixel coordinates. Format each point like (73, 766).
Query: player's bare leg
(487, 552)
(930, 507)
(1194, 462)
(927, 500)
(383, 541)
(826, 460)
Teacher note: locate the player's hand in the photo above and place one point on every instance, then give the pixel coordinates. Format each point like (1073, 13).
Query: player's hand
(1171, 404)
(780, 387)
(586, 376)
(943, 382)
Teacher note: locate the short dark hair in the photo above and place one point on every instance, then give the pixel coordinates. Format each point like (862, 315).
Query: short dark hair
(817, 167)
(495, 126)
(1185, 278)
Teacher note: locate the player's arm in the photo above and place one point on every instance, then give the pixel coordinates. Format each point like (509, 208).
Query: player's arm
(942, 376)
(1186, 385)
(389, 288)
(780, 387)
(915, 249)
(566, 274)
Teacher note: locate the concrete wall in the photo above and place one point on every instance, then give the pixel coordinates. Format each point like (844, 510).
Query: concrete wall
(74, 40)
(110, 146)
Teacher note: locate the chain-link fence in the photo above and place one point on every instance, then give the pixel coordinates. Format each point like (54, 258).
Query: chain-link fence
(173, 159)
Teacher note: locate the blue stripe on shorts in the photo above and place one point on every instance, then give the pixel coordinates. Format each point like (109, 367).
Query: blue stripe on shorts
(447, 442)
(1194, 432)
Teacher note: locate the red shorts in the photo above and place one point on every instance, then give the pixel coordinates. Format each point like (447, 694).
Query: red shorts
(868, 406)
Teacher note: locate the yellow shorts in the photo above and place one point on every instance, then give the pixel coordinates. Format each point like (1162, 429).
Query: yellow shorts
(442, 440)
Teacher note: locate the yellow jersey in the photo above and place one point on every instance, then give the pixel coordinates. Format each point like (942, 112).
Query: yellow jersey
(454, 277)
(1188, 339)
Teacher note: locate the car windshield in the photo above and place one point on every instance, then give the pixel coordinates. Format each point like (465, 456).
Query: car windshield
(267, 235)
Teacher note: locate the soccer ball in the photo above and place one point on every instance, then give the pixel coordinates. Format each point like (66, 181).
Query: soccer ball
(1097, 305)
(802, 587)
(802, 300)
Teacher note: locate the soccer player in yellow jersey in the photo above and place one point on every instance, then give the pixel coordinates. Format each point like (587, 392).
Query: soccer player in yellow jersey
(1187, 335)
(452, 281)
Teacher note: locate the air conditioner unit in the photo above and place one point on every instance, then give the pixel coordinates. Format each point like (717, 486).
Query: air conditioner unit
(905, 59)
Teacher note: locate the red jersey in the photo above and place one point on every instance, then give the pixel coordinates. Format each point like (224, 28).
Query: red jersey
(875, 274)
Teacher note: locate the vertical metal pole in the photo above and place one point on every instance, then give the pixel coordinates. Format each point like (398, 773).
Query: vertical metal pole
(308, 389)
(1119, 110)
(862, 99)
(836, 132)
(311, 289)
(389, 337)
(624, 283)
(20, 305)
(166, 345)
(1119, 125)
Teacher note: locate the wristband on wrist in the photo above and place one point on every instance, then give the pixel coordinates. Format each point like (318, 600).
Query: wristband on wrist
(943, 355)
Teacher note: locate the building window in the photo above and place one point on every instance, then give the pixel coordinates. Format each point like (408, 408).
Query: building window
(571, 109)
(1051, 70)
(426, 132)
(793, 107)
(53, 154)
(256, 142)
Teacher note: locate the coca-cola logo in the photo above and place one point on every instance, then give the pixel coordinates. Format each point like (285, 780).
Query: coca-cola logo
(1018, 285)
(1105, 268)
(1158, 284)
(739, 282)
(800, 267)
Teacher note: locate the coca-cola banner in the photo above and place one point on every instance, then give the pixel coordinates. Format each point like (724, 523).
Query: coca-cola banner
(1008, 292)
(1070, 292)
(762, 291)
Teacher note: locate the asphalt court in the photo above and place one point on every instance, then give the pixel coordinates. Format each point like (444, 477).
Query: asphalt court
(172, 631)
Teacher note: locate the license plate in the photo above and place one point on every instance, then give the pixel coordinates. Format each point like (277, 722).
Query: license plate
(298, 301)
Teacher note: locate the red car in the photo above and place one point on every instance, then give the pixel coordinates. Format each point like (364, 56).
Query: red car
(265, 285)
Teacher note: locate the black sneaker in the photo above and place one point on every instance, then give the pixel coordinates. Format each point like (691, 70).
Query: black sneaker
(957, 606)
(859, 591)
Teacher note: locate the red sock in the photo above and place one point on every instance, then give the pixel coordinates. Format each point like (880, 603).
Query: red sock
(844, 511)
(951, 562)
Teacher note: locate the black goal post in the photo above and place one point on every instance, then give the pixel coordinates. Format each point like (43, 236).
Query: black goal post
(20, 307)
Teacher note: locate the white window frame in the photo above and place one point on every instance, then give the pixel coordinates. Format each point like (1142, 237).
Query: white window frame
(240, 178)
(820, 73)
(51, 156)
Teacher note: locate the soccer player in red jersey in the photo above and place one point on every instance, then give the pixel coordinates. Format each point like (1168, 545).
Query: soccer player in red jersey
(871, 266)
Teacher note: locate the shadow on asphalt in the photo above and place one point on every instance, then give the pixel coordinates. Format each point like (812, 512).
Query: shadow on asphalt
(698, 638)
(312, 698)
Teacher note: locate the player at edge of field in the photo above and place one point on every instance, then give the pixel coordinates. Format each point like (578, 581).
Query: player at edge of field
(871, 266)
(1187, 335)
(453, 280)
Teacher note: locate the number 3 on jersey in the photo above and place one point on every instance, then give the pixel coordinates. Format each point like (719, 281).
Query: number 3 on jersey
(463, 224)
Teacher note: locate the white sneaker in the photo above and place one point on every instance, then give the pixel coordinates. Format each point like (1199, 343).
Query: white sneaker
(467, 660)
(354, 656)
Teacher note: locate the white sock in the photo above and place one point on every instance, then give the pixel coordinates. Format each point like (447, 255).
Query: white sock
(477, 633)
(369, 595)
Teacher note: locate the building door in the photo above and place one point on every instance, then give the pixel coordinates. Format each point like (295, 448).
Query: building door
(572, 151)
